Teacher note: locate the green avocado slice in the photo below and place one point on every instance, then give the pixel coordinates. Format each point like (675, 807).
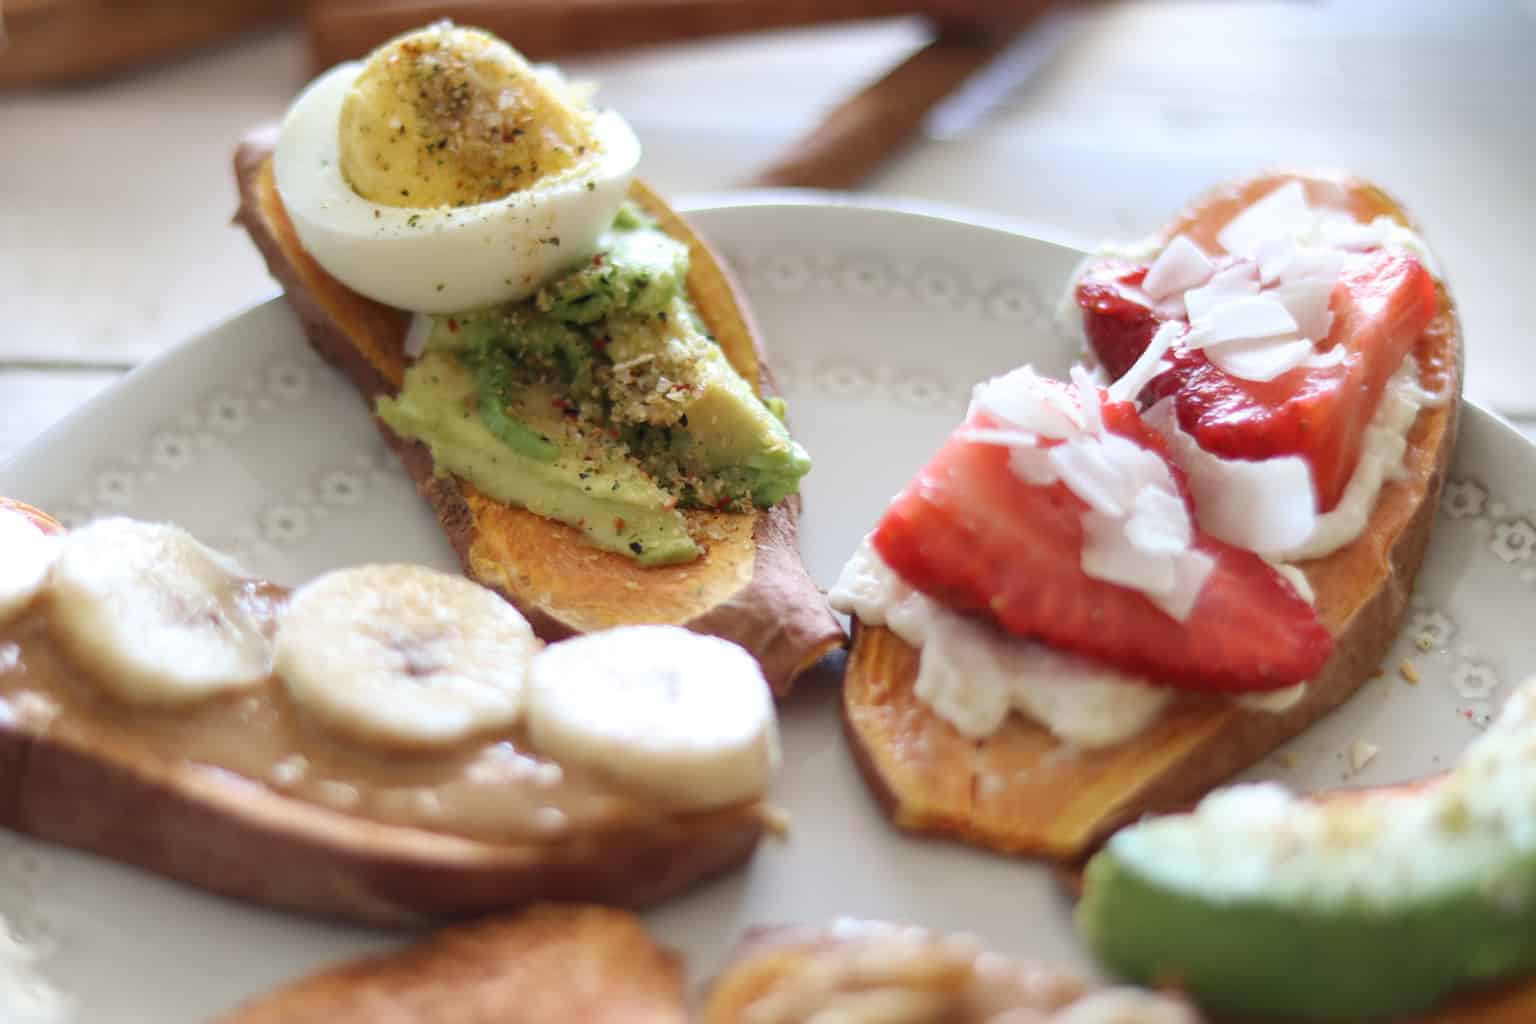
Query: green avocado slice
(723, 441)
(554, 471)
(1348, 908)
(602, 402)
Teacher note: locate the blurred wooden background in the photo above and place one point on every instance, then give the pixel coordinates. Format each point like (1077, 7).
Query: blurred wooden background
(115, 195)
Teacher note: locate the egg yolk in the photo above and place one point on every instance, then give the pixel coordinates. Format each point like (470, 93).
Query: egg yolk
(449, 116)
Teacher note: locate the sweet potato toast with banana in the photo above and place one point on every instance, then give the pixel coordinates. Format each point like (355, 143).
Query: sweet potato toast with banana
(1383, 330)
(665, 488)
(386, 744)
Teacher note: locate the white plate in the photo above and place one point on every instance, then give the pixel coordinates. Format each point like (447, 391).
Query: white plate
(879, 322)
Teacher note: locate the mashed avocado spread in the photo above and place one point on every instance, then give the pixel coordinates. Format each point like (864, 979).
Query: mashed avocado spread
(602, 402)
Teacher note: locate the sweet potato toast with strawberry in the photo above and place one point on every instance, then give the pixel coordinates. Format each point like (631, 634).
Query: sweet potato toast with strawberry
(1020, 789)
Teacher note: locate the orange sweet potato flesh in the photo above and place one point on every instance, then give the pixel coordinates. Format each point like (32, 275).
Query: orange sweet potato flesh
(551, 963)
(1020, 791)
(749, 587)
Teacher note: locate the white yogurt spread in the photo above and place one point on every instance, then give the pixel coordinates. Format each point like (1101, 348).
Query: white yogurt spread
(972, 673)
(26, 997)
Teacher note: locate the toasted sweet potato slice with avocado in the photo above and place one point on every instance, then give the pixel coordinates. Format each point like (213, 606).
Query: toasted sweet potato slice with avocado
(749, 586)
(1020, 791)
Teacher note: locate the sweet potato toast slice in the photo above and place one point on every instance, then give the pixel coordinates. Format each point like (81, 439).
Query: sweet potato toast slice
(749, 587)
(550, 963)
(868, 970)
(1020, 791)
(89, 783)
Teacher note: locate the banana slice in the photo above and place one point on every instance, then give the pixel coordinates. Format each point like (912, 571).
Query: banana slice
(685, 718)
(26, 554)
(155, 616)
(404, 656)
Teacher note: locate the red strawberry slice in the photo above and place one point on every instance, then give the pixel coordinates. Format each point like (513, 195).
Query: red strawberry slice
(969, 532)
(1381, 305)
(1118, 323)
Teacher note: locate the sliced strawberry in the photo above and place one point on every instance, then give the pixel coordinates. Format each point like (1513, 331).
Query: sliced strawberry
(1119, 326)
(1382, 303)
(969, 532)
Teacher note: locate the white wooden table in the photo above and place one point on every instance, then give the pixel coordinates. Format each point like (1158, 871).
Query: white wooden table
(115, 199)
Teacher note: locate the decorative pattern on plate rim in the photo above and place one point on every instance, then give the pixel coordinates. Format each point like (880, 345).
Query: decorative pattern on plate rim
(1511, 540)
(185, 441)
(871, 274)
(27, 939)
(292, 519)
(919, 389)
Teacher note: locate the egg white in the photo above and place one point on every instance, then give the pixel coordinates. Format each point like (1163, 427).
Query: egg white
(442, 259)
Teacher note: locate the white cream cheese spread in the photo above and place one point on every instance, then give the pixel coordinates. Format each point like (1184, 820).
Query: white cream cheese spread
(972, 673)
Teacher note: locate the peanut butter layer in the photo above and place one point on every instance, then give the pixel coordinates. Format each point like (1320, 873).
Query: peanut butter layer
(494, 787)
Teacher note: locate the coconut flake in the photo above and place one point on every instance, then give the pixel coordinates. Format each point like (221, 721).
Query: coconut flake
(1001, 438)
(1274, 258)
(1258, 316)
(1137, 532)
(1344, 232)
(1282, 213)
(1147, 365)
(1314, 261)
(1307, 302)
(1274, 701)
(1235, 282)
(1110, 554)
(1326, 359)
(1261, 359)
(1361, 754)
(1263, 505)
(1091, 473)
(1160, 523)
(1024, 400)
(1137, 527)
(1033, 466)
(1191, 569)
(1089, 401)
(416, 335)
(1181, 265)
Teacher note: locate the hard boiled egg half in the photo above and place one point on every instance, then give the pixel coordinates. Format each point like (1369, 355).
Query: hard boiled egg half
(445, 173)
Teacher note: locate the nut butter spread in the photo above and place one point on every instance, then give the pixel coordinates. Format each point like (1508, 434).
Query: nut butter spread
(494, 787)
